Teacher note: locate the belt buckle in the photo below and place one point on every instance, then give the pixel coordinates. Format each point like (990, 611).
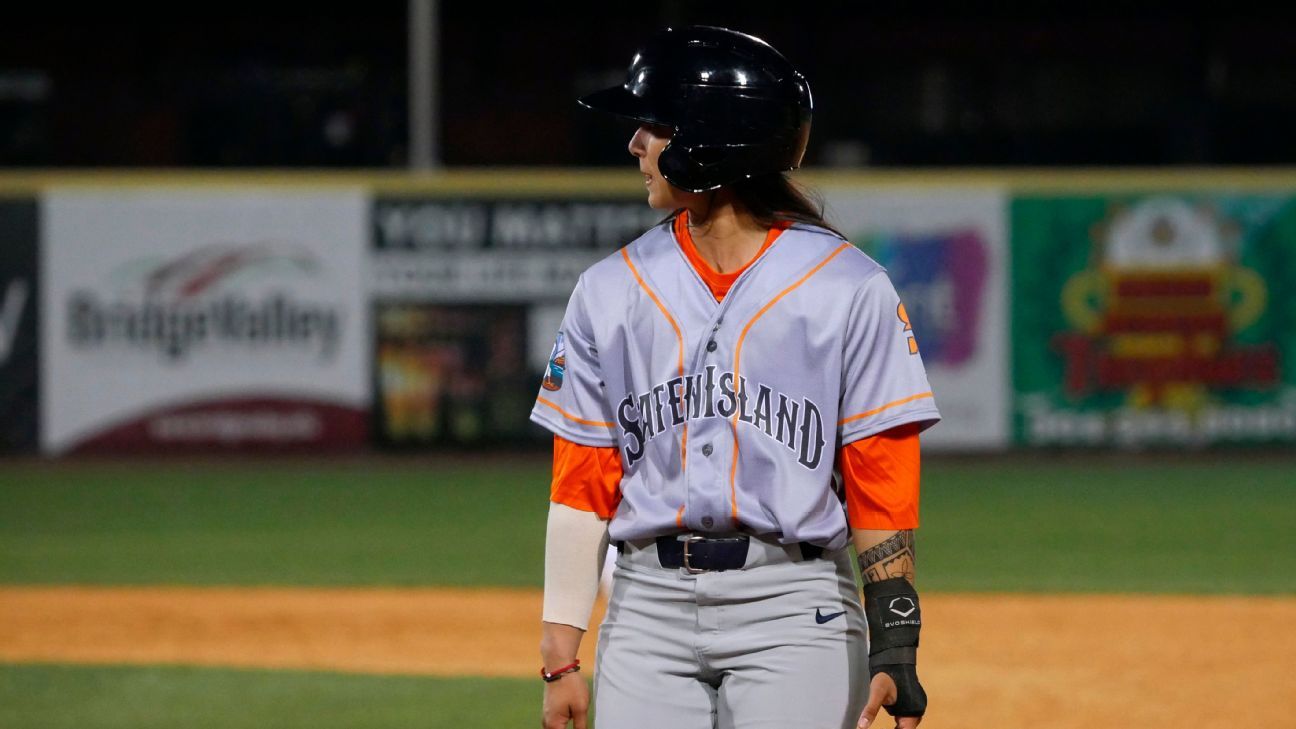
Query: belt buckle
(687, 541)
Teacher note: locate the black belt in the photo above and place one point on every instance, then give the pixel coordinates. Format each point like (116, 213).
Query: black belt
(703, 554)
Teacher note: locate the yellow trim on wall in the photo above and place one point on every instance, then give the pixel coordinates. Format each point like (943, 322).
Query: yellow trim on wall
(528, 182)
(612, 182)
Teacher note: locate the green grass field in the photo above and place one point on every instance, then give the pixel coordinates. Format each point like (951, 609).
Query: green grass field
(54, 697)
(1024, 525)
(1107, 524)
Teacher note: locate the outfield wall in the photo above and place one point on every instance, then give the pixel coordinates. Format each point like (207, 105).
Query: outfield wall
(332, 311)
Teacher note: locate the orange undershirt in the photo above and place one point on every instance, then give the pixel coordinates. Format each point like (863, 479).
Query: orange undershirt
(881, 476)
(719, 283)
(586, 477)
(880, 473)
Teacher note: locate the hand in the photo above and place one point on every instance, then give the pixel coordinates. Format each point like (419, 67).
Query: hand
(566, 699)
(882, 692)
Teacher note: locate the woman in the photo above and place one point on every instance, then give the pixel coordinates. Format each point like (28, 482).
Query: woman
(708, 381)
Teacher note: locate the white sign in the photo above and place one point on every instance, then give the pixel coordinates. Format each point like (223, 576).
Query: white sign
(946, 252)
(203, 318)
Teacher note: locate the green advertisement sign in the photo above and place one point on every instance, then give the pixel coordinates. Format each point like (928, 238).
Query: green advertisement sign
(1154, 320)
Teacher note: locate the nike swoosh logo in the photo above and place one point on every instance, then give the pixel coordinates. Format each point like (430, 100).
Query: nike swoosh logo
(821, 618)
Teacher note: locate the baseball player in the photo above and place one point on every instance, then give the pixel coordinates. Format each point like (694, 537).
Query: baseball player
(735, 397)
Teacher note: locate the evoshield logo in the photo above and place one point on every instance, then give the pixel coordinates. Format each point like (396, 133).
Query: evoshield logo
(906, 610)
(201, 298)
(903, 606)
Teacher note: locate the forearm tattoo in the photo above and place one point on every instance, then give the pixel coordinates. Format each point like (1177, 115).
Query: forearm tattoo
(894, 557)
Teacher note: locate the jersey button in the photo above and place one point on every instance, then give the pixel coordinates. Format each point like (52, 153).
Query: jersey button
(711, 346)
(708, 522)
(707, 449)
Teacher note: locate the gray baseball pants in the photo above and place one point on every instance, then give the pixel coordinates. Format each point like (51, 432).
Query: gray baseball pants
(779, 644)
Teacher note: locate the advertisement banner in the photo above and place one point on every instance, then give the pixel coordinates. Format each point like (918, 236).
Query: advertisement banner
(452, 373)
(1154, 320)
(499, 250)
(468, 295)
(185, 320)
(19, 367)
(946, 252)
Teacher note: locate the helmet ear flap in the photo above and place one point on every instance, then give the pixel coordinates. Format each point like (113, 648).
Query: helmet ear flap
(707, 156)
(678, 163)
(702, 168)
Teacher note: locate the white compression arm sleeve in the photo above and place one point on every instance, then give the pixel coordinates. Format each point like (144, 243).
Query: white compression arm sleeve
(576, 543)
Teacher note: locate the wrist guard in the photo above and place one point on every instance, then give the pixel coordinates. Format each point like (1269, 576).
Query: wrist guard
(894, 619)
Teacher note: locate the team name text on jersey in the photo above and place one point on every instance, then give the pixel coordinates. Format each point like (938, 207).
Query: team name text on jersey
(797, 424)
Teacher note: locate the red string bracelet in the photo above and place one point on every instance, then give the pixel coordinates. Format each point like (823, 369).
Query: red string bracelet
(551, 676)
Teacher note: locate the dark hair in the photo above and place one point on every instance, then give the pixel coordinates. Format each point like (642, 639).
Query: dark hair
(772, 197)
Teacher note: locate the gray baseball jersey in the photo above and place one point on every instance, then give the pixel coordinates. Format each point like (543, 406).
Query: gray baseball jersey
(730, 413)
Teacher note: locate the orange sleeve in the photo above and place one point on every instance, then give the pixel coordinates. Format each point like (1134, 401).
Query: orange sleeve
(586, 477)
(880, 474)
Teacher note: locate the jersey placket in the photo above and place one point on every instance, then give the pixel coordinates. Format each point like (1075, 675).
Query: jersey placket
(709, 504)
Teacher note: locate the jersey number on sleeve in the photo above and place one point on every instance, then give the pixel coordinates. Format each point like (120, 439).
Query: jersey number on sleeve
(904, 317)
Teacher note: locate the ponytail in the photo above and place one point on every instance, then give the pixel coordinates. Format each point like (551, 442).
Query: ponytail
(774, 197)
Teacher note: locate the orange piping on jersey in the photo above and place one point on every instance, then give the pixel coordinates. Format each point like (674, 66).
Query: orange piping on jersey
(733, 470)
(679, 518)
(569, 416)
(679, 336)
(888, 406)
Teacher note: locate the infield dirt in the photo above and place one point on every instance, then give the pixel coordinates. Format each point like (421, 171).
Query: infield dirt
(1016, 660)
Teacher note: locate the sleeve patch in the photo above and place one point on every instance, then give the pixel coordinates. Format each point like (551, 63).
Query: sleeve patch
(553, 379)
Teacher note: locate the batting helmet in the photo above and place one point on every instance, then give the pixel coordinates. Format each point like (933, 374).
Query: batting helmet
(738, 107)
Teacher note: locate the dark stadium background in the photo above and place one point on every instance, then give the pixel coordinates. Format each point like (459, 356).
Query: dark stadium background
(900, 85)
